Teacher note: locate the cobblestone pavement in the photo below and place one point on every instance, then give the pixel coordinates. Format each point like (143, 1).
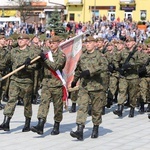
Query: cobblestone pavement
(114, 133)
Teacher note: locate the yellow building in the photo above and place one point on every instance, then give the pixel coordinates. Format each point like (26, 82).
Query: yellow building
(85, 10)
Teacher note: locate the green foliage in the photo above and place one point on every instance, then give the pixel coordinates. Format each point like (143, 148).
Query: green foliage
(147, 41)
(55, 23)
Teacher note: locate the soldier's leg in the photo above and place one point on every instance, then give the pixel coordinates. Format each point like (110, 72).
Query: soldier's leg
(133, 90)
(58, 109)
(43, 110)
(73, 97)
(27, 89)
(83, 101)
(97, 106)
(122, 95)
(113, 83)
(143, 90)
(14, 90)
(148, 95)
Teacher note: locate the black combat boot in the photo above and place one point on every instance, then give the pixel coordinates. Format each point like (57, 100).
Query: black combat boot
(89, 109)
(5, 125)
(95, 131)
(119, 110)
(148, 108)
(131, 113)
(55, 130)
(39, 127)
(109, 103)
(73, 108)
(103, 110)
(26, 127)
(149, 116)
(141, 109)
(79, 133)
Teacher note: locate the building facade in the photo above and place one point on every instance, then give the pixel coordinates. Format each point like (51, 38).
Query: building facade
(89, 10)
(33, 10)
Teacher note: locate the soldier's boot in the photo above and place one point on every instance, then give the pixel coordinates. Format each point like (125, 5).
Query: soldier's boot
(78, 133)
(109, 103)
(127, 104)
(103, 110)
(55, 130)
(26, 127)
(73, 108)
(148, 108)
(39, 127)
(95, 131)
(89, 109)
(119, 110)
(149, 116)
(141, 109)
(5, 125)
(131, 113)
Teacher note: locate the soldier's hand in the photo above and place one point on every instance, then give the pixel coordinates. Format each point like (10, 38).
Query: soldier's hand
(43, 56)
(85, 74)
(142, 71)
(73, 84)
(126, 66)
(27, 62)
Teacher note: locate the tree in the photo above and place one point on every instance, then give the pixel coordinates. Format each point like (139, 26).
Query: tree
(55, 23)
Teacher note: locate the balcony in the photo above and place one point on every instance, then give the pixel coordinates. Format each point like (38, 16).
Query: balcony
(127, 2)
(75, 3)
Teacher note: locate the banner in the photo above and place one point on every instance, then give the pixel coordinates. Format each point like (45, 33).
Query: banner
(72, 49)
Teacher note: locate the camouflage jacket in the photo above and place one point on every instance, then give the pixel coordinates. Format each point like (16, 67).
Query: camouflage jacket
(59, 63)
(96, 64)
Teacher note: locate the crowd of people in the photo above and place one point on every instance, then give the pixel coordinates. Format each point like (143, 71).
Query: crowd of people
(114, 67)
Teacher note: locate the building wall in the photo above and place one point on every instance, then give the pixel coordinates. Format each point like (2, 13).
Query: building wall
(106, 7)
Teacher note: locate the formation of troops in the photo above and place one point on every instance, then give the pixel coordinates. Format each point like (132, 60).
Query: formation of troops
(107, 73)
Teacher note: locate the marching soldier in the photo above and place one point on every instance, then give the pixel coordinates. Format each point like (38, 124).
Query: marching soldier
(52, 87)
(20, 82)
(88, 69)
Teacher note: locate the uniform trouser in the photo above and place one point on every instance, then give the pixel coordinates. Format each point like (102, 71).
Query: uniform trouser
(113, 85)
(36, 83)
(145, 89)
(97, 103)
(15, 89)
(130, 86)
(48, 94)
(105, 81)
(74, 96)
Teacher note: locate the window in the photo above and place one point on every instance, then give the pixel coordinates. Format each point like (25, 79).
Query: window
(71, 17)
(143, 15)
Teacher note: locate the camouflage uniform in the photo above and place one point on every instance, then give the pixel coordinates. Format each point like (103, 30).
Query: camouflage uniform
(21, 81)
(52, 88)
(4, 62)
(90, 88)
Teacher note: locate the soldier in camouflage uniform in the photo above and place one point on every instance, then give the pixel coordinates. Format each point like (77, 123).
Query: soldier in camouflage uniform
(129, 80)
(89, 68)
(51, 88)
(20, 82)
(4, 62)
(101, 47)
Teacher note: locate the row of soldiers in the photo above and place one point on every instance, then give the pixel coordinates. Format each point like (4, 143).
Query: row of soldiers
(127, 78)
(105, 70)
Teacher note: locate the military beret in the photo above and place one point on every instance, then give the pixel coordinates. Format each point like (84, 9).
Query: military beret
(55, 39)
(9, 38)
(120, 42)
(2, 36)
(100, 39)
(89, 38)
(129, 39)
(23, 36)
